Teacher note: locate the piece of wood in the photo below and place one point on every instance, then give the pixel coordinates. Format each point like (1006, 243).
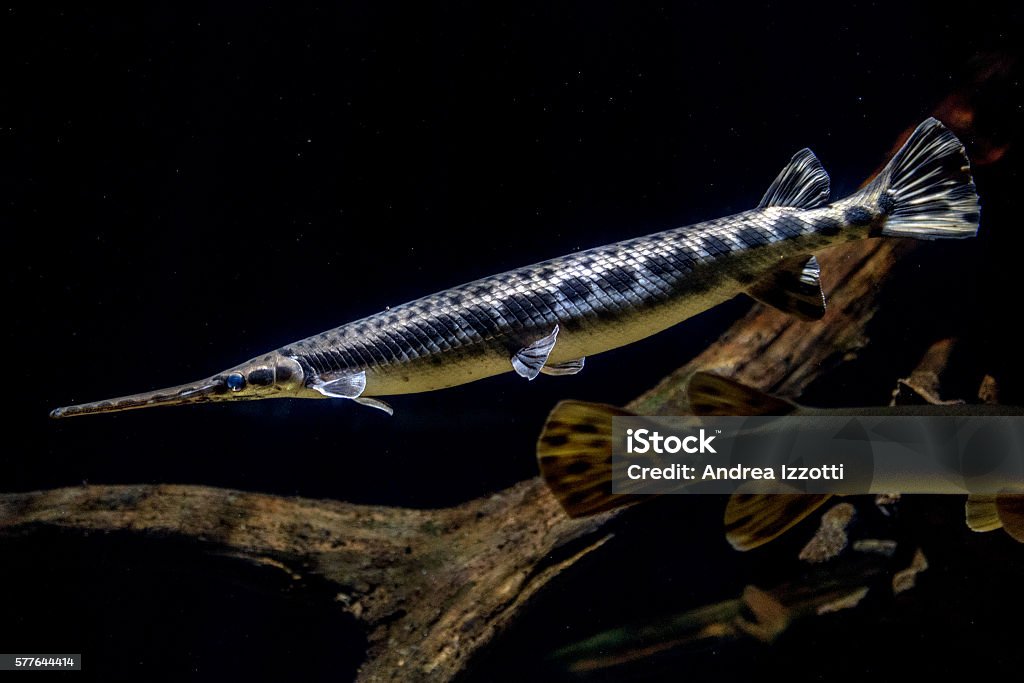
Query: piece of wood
(924, 385)
(431, 585)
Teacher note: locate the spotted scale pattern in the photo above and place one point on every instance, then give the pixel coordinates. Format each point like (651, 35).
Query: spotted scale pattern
(590, 294)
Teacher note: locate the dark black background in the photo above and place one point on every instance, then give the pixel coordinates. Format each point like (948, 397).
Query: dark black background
(187, 187)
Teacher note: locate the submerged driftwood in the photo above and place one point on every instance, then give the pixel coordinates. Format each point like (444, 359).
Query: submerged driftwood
(434, 586)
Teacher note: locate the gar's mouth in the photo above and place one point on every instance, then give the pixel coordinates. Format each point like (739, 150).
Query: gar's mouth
(196, 392)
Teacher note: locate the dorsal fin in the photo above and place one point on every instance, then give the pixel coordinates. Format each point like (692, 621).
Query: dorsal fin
(710, 394)
(803, 184)
(793, 288)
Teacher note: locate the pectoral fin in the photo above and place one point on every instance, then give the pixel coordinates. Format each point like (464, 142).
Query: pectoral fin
(345, 385)
(569, 367)
(374, 403)
(794, 288)
(349, 385)
(529, 360)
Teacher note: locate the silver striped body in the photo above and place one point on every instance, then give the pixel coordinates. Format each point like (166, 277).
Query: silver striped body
(601, 299)
(552, 315)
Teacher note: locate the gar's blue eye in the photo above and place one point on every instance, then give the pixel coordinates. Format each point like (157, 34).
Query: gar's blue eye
(235, 381)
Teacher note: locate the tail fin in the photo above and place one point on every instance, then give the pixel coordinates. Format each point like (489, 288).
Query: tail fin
(926, 190)
(574, 452)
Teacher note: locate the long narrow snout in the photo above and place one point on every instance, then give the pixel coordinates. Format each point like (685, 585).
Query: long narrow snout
(196, 392)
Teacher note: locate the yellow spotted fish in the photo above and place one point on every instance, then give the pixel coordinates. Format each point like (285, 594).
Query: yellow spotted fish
(574, 453)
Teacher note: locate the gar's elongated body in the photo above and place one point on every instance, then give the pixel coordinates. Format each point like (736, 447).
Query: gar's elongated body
(548, 317)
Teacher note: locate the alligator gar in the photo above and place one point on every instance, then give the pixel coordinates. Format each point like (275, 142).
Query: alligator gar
(548, 317)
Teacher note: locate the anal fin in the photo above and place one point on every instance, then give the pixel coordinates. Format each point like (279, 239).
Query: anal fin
(1011, 514)
(987, 512)
(753, 519)
(982, 513)
(794, 288)
(530, 360)
(569, 367)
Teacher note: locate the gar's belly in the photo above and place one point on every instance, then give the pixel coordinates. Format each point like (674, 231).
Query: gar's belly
(576, 339)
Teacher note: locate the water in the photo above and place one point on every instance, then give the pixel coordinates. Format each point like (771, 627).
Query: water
(187, 187)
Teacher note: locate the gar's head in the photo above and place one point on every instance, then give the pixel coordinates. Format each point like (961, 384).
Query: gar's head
(269, 376)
